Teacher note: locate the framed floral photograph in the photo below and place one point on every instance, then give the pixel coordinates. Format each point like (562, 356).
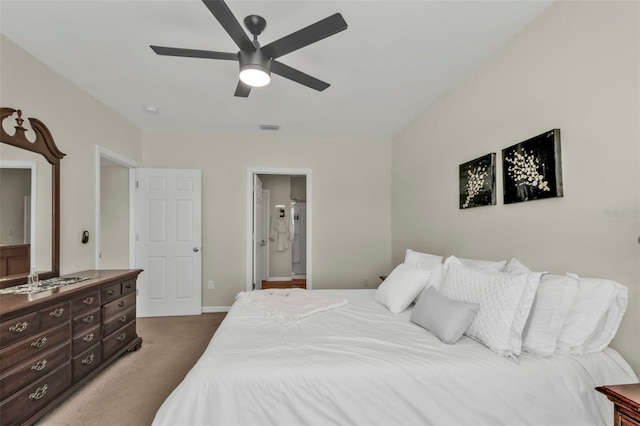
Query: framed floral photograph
(532, 169)
(478, 182)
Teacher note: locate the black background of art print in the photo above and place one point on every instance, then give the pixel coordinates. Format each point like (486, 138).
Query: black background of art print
(486, 195)
(544, 148)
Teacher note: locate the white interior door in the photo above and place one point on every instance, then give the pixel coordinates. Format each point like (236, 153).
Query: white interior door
(169, 238)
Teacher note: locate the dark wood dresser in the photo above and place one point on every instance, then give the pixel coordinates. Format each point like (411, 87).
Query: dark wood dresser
(53, 342)
(626, 403)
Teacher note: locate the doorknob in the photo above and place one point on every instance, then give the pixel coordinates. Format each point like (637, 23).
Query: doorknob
(196, 249)
(263, 243)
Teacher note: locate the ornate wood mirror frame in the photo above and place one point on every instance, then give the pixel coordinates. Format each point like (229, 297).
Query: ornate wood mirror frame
(45, 146)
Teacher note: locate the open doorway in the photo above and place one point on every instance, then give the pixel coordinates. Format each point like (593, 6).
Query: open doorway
(279, 228)
(115, 210)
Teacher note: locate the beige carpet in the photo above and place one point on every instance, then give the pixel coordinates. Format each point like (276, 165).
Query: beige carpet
(130, 391)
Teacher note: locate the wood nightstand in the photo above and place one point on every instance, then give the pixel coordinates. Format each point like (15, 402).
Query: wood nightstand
(626, 400)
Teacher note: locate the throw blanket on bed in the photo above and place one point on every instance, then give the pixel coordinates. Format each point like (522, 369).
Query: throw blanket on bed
(291, 303)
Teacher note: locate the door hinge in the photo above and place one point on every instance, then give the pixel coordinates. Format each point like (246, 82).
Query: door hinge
(137, 184)
(137, 238)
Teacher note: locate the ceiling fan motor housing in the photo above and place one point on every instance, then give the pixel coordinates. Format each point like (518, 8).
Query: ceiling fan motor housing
(254, 60)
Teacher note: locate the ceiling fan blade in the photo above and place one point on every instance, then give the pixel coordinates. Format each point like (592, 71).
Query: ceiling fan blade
(193, 53)
(298, 76)
(223, 14)
(242, 90)
(304, 37)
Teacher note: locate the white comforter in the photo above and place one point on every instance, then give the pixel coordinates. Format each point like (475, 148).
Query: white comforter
(359, 364)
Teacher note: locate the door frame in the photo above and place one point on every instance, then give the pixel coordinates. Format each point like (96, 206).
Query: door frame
(249, 229)
(104, 154)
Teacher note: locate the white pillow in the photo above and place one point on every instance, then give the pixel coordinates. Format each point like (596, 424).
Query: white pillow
(402, 285)
(554, 299)
(482, 264)
(415, 259)
(446, 318)
(431, 262)
(514, 266)
(505, 301)
(595, 316)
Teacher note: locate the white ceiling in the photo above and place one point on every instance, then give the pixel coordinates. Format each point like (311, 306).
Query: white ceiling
(394, 60)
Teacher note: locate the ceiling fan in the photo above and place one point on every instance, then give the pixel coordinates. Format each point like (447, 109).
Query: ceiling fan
(258, 62)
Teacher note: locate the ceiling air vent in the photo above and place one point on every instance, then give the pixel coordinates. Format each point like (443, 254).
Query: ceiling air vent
(269, 127)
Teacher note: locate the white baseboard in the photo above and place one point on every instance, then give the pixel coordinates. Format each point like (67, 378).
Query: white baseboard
(211, 309)
(279, 279)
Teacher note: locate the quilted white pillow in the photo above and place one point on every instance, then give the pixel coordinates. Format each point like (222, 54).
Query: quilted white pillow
(402, 285)
(551, 306)
(514, 266)
(595, 316)
(505, 301)
(494, 265)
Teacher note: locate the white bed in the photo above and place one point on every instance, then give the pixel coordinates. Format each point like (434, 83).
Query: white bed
(360, 364)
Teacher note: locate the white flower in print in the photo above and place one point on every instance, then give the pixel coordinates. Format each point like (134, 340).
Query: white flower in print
(524, 170)
(475, 182)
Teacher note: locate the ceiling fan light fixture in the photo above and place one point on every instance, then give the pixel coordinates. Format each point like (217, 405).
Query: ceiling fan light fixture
(254, 76)
(255, 68)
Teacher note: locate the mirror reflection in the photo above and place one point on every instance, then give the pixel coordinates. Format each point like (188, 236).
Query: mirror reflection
(25, 212)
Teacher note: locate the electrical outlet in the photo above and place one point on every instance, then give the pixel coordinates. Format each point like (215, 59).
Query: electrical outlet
(210, 284)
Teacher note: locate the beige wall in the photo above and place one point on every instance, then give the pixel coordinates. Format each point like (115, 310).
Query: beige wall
(114, 217)
(350, 193)
(78, 122)
(575, 68)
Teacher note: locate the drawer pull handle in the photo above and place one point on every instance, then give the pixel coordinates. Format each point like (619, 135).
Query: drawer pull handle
(88, 300)
(88, 319)
(88, 337)
(123, 318)
(39, 343)
(40, 365)
(57, 313)
(88, 360)
(122, 337)
(121, 304)
(111, 292)
(39, 393)
(19, 327)
(128, 285)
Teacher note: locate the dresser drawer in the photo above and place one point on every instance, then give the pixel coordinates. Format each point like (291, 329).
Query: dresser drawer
(86, 339)
(629, 417)
(118, 321)
(128, 286)
(54, 315)
(116, 307)
(21, 405)
(86, 303)
(112, 292)
(32, 370)
(117, 340)
(33, 346)
(86, 362)
(18, 328)
(86, 321)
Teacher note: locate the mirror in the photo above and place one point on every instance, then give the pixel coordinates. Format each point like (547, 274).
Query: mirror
(30, 201)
